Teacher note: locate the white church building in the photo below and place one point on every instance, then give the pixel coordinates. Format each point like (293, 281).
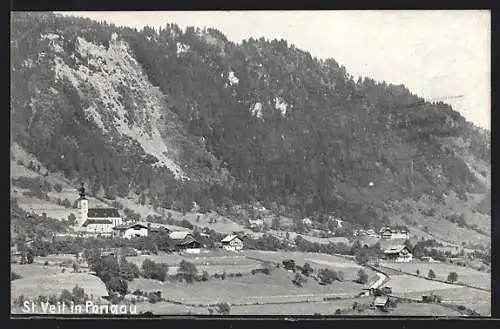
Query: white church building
(100, 221)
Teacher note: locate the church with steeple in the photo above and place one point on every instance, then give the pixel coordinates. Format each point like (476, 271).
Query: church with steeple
(99, 221)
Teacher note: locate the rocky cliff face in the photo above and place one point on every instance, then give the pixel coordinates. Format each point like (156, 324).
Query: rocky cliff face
(182, 116)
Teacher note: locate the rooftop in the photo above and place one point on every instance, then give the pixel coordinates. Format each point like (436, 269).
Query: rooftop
(229, 238)
(381, 301)
(103, 213)
(395, 249)
(97, 221)
(125, 227)
(179, 235)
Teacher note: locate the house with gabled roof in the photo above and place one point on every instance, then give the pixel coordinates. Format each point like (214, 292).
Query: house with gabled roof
(400, 254)
(388, 233)
(132, 230)
(232, 242)
(184, 240)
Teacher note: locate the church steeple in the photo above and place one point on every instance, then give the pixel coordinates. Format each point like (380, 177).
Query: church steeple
(83, 206)
(81, 190)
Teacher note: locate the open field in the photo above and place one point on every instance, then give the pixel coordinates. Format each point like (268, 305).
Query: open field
(466, 275)
(212, 262)
(276, 287)
(410, 309)
(35, 270)
(316, 260)
(478, 300)
(442, 229)
(292, 236)
(34, 286)
(323, 308)
(246, 260)
(404, 284)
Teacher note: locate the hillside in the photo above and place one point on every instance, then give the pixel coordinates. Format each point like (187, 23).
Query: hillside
(172, 117)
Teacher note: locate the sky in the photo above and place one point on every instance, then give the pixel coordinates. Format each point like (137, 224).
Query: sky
(437, 55)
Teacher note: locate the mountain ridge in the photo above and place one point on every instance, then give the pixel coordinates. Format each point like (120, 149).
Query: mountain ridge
(239, 123)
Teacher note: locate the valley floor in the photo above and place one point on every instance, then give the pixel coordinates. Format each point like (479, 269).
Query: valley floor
(262, 294)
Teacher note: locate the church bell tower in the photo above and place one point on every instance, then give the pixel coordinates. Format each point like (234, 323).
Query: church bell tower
(83, 206)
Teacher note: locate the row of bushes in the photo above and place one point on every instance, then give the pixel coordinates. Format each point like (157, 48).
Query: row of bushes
(76, 296)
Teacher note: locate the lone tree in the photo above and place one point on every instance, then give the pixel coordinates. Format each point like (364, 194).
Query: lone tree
(327, 276)
(418, 272)
(188, 270)
(362, 277)
(452, 277)
(431, 274)
(30, 256)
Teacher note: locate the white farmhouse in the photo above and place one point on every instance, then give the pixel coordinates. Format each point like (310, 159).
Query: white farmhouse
(232, 242)
(307, 221)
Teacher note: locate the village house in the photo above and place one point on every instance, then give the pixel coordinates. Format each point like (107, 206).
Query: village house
(132, 230)
(157, 229)
(232, 242)
(257, 223)
(388, 233)
(100, 221)
(184, 240)
(400, 254)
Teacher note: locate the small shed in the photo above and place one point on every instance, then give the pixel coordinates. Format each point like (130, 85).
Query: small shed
(381, 302)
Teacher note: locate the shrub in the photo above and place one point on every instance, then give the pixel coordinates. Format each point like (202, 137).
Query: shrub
(129, 271)
(188, 271)
(14, 276)
(204, 276)
(307, 269)
(53, 299)
(79, 295)
(19, 301)
(58, 187)
(42, 299)
(118, 285)
(452, 277)
(362, 277)
(30, 256)
(289, 264)
(431, 274)
(152, 270)
(154, 297)
(66, 297)
(299, 280)
(327, 276)
(223, 308)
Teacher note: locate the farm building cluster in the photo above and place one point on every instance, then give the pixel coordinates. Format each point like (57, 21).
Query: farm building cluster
(108, 222)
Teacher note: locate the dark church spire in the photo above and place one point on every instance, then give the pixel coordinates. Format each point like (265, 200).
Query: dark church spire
(82, 191)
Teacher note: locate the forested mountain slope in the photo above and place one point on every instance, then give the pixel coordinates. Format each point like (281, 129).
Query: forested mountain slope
(182, 116)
